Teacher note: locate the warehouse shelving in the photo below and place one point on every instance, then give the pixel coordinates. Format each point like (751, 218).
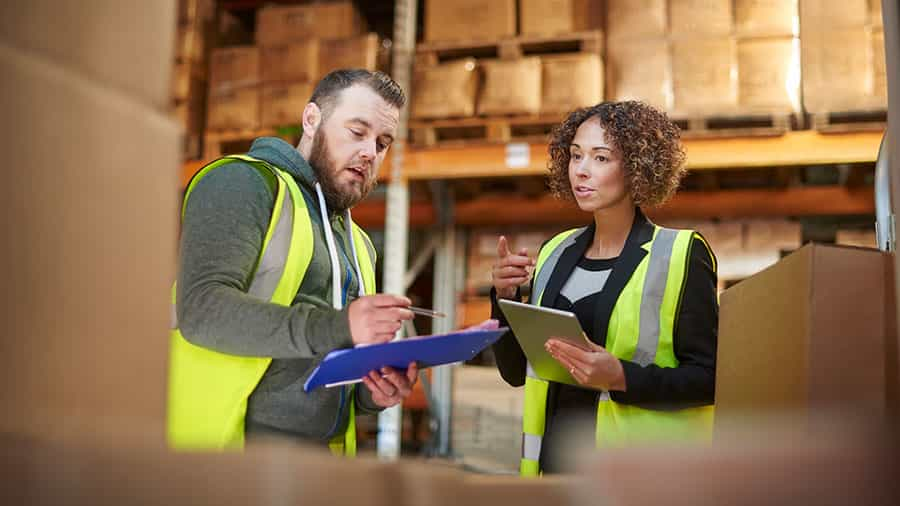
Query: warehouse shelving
(796, 148)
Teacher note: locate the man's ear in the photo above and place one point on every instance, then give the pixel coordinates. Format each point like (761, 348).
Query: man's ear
(312, 119)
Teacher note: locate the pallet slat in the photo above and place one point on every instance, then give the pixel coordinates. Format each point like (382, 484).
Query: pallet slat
(431, 53)
(849, 121)
(466, 131)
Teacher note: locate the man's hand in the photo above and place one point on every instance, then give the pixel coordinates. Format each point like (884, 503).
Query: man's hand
(377, 318)
(595, 368)
(511, 270)
(390, 386)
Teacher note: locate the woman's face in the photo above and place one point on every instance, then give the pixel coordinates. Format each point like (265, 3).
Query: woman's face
(595, 169)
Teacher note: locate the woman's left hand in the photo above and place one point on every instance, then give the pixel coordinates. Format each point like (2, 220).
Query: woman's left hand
(595, 368)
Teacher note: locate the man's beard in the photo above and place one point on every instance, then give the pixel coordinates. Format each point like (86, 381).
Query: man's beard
(326, 171)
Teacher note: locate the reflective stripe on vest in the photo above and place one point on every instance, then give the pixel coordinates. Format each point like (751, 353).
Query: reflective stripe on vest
(640, 330)
(208, 391)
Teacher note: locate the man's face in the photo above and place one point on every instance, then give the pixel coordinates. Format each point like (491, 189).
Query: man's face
(350, 144)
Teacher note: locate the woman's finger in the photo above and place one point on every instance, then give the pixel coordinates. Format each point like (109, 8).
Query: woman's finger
(509, 272)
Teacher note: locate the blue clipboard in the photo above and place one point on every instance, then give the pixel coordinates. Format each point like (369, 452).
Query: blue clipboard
(350, 365)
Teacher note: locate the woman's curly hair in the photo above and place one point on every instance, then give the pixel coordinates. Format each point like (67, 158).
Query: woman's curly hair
(648, 142)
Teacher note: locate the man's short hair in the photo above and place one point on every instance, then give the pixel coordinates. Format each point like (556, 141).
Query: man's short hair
(329, 88)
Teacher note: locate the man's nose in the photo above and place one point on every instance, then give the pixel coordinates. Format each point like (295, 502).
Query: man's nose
(368, 151)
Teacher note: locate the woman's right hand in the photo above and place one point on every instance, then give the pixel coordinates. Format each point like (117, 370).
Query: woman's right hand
(510, 271)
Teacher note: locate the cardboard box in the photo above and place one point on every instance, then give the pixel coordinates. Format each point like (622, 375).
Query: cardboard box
(282, 104)
(780, 235)
(469, 20)
(769, 74)
(693, 18)
(837, 70)
(277, 25)
(355, 53)
(769, 460)
(879, 70)
(233, 67)
(498, 97)
(858, 238)
(93, 216)
(650, 81)
(108, 41)
(294, 62)
(703, 75)
(555, 17)
(234, 109)
(571, 81)
(765, 18)
(138, 473)
(487, 419)
(636, 19)
(446, 90)
(824, 14)
(807, 335)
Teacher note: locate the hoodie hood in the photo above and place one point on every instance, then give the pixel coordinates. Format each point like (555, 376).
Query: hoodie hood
(284, 156)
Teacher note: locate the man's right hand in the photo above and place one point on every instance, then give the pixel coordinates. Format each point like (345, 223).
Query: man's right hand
(377, 318)
(511, 270)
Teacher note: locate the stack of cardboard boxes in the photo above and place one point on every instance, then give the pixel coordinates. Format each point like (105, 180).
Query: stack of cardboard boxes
(192, 45)
(268, 84)
(697, 58)
(513, 84)
(843, 56)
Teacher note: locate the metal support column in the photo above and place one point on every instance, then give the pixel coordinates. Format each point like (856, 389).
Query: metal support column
(396, 221)
(445, 283)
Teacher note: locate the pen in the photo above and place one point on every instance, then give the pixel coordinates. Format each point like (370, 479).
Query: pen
(426, 312)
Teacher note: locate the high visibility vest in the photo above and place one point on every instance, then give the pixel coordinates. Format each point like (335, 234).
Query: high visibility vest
(640, 330)
(208, 390)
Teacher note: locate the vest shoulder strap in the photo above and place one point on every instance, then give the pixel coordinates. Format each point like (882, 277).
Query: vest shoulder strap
(549, 255)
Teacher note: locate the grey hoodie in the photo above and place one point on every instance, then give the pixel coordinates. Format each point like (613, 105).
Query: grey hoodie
(224, 224)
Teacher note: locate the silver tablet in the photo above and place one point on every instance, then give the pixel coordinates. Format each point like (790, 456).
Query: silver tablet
(533, 326)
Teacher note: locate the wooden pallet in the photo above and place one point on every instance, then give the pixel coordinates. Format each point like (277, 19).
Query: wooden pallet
(431, 53)
(467, 131)
(849, 121)
(737, 125)
(225, 142)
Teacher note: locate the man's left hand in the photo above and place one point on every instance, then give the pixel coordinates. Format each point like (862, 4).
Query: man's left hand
(595, 368)
(390, 386)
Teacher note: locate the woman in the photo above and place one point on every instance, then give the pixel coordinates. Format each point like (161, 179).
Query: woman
(645, 296)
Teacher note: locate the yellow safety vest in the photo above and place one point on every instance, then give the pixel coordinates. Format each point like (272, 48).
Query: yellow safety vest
(640, 330)
(208, 390)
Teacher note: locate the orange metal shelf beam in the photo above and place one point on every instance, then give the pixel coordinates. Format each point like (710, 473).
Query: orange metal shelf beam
(791, 149)
(761, 203)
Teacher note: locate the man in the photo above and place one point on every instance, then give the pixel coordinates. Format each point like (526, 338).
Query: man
(273, 276)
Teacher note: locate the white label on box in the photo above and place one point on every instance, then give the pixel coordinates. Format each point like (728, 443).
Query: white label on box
(518, 155)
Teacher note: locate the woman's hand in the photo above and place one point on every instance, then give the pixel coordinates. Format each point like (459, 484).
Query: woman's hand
(594, 368)
(510, 271)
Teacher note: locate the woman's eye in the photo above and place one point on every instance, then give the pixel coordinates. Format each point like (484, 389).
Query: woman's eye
(600, 158)
(357, 133)
(381, 146)
(576, 156)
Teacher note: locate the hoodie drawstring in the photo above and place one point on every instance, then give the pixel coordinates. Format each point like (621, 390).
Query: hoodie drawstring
(336, 299)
